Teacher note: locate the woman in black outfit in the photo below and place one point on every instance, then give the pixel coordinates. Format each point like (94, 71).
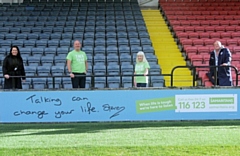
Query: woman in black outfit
(13, 66)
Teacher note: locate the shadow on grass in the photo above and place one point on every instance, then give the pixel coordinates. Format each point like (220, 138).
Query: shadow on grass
(94, 127)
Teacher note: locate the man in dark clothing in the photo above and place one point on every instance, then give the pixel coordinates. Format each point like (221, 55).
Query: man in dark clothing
(220, 57)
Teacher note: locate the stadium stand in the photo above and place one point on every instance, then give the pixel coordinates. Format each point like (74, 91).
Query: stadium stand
(197, 24)
(111, 34)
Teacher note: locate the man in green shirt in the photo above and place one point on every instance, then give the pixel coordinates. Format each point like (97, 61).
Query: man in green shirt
(77, 66)
(141, 68)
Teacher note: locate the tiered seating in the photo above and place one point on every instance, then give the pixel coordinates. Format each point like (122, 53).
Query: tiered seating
(197, 24)
(111, 34)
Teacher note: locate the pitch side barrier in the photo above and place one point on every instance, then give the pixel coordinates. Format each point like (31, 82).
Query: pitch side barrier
(107, 105)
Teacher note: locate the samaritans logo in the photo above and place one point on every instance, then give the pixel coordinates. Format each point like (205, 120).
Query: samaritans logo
(221, 100)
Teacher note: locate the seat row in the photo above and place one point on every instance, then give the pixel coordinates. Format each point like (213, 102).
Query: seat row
(209, 42)
(206, 13)
(206, 49)
(84, 30)
(39, 58)
(98, 82)
(207, 35)
(201, 18)
(206, 29)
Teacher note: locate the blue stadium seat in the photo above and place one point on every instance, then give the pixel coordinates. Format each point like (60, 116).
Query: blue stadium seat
(57, 84)
(43, 71)
(124, 49)
(53, 43)
(41, 43)
(51, 51)
(62, 51)
(60, 60)
(39, 83)
(34, 61)
(127, 81)
(37, 52)
(113, 70)
(57, 70)
(113, 82)
(99, 50)
(100, 82)
(44, 36)
(47, 61)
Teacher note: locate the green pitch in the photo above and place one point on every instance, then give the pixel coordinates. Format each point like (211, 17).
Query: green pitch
(122, 139)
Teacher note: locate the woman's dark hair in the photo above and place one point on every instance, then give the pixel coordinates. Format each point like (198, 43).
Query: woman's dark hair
(18, 54)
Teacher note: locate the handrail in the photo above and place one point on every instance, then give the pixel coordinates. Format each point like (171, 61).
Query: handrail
(194, 72)
(132, 75)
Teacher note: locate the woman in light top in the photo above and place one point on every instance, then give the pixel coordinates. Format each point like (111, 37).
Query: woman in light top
(141, 68)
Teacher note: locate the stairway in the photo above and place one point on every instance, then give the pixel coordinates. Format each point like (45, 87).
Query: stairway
(166, 49)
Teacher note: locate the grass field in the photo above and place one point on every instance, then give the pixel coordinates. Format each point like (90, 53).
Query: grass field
(122, 139)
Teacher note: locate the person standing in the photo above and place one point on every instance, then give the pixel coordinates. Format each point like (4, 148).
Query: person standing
(13, 66)
(141, 68)
(220, 57)
(77, 65)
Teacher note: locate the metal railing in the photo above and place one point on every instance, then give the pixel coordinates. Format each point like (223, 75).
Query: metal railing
(171, 75)
(194, 74)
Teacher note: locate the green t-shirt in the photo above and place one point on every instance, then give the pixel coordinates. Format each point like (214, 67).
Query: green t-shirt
(78, 59)
(140, 68)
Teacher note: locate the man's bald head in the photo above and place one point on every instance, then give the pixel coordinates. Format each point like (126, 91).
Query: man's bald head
(217, 45)
(77, 45)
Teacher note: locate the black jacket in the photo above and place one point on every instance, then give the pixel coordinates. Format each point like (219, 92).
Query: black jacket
(13, 66)
(223, 72)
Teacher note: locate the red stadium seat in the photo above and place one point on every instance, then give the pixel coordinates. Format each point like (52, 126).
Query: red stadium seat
(232, 42)
(181, 18)
(231, 28)
(225, 23)
(236, 50)
(195, 58)
(198, 42)
(215, 35)
(205, 13)
(214, 23)
(235, 34)
(193, 35)
(219, 18)
(205, 23)
(178, 28)
(209, 42)
(228, 17)
(199, 28)
(191, 50)
(223, 13)
(185, 23)
(182, 35)
(232, 12)
(175, 23)
(214, 13)
(203, 50)
(237, 17)
(189, 29)
(226, 35)
(209, 29)
(206, 57)
(191, 17)
(186, 43)
(200, 18)
(233, 22)
(204, 35)
(195, 23)
(208, 84)
(219, 29)
(210, 18)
